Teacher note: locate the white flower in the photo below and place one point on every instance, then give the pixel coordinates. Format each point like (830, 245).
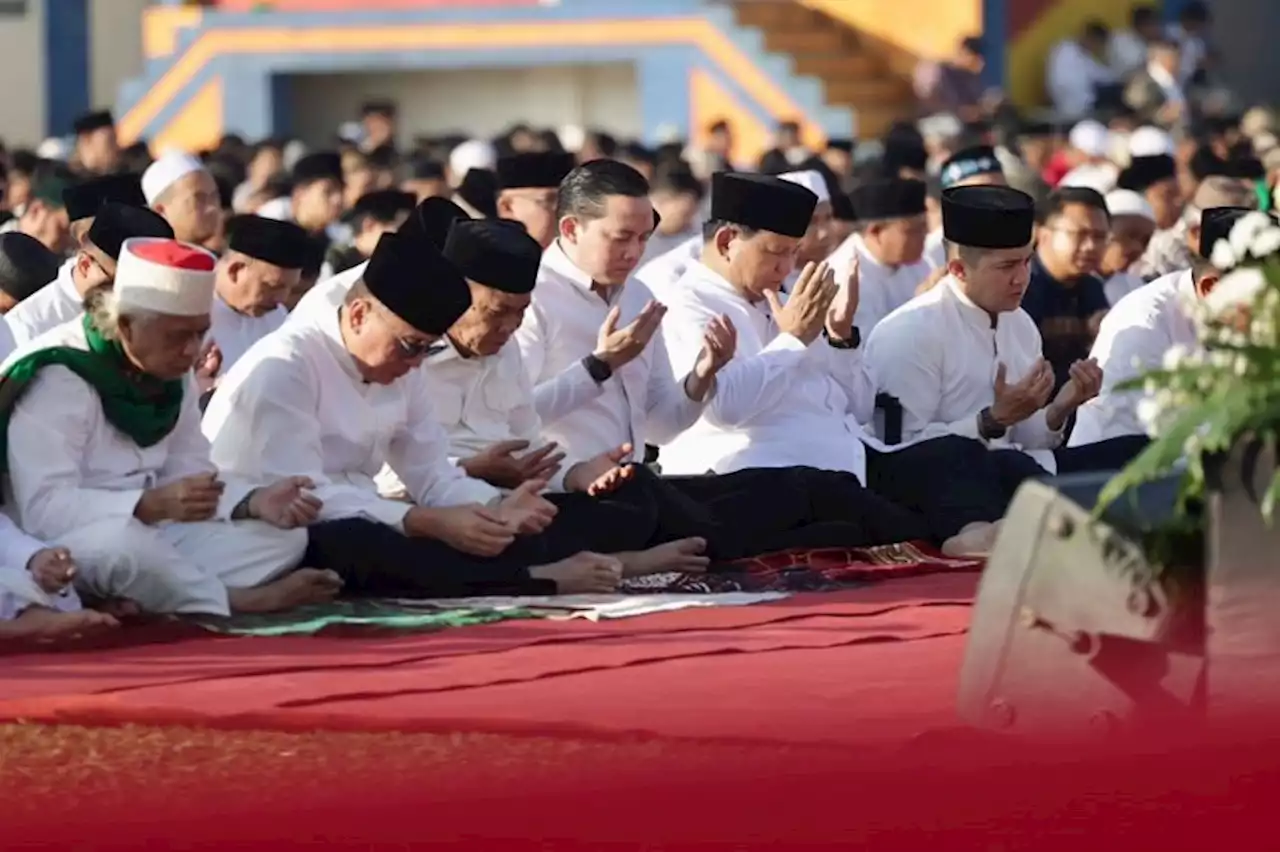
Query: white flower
(1176, 356)
(1245, 231)
(1223, 256)
(1235, 290)
(1266, 243)
(1149, 414)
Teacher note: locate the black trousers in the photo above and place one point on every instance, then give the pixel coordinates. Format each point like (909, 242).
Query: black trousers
(949, 481)
(375, 560)
(1015, 466)
(763, 510)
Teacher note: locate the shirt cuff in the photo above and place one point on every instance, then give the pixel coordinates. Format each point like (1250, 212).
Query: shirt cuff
(786, 343)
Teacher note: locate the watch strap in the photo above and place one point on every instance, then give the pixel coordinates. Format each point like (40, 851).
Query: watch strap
(598, 370)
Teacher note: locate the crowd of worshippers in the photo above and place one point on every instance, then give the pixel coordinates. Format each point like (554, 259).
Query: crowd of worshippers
(189, 429)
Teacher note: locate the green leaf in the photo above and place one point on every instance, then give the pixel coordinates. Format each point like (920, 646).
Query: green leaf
(1269, 499)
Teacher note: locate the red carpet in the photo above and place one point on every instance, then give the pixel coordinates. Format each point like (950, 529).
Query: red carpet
(861, 665)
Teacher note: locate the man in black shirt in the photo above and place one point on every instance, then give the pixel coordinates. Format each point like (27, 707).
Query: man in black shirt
(1065, 296)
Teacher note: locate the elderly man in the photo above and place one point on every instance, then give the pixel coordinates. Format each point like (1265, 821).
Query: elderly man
(104, 454)
(335, 393)
(180, 188)
(1133, 223)
(819, 238)
(888, 248)
(94, 266)
(1175, 249)
(262, 264)
(527, 191)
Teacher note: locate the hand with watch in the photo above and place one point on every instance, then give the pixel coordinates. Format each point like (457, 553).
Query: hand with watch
(616, 347)
(1016, 402)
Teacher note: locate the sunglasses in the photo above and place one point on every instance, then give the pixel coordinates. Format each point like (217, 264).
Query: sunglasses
(418, 348)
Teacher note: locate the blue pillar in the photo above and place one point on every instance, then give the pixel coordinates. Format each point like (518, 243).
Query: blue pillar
(248, 105)
(662, 79)
(66, 61)
(995, 41)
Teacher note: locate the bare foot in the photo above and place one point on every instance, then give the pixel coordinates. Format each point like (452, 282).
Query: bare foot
(582, 573)
(974, 541)
(38, 622)
(299, 588)
(118, 607)
(684, 555)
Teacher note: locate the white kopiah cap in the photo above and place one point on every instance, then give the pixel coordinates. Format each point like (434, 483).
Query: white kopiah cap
(1150, 142)
(1099, 176)
(167, 171)
(165, 276)
(472, 154)
(811, 180)
(1090, 137)
(1126, 202)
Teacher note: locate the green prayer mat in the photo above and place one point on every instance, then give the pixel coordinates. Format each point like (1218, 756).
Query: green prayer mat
(359, 614)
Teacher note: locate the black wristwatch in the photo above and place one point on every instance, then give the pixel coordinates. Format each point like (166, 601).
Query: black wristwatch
(853, 342)
(598, 370)
(988, 427)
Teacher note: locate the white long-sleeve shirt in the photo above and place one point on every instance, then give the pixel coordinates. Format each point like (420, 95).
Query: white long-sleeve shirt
(49, 307)
(661, 273)
(69, 467)
(881, 288)
(18, 589)
(1134, 337)
(482, 401)
(778, 402)
(935, 250)
(329, 292)
(1071, 78)
(295, 405)
(643, 402)
(938, 354)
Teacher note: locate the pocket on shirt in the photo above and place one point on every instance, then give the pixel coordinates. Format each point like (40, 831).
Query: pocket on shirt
(502, 395)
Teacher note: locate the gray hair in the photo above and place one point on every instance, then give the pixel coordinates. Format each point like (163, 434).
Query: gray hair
(105, 312)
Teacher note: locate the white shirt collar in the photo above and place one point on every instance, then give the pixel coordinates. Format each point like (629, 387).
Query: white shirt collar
(559, 262)
(978, 316)
(330, 325)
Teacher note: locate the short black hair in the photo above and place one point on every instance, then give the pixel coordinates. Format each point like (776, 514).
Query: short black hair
(584, 190)
(1058, 200)
(1142, 15)
(678, 180)
(710, 227)
(1096, 29)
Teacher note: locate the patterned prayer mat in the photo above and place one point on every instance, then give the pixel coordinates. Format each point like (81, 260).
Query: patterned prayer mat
(809, 570)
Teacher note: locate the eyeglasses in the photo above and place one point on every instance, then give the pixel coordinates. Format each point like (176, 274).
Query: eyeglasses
(418, 348)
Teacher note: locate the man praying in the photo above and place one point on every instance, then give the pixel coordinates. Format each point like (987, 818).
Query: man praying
(104, 454)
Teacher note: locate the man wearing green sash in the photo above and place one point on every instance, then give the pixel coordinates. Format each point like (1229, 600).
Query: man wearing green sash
(105, 457)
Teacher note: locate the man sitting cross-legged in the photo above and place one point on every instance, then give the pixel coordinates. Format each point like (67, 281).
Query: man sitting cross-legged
(480, 392)
(592, 326)
(797, 391)
(105, 457)
(338, 393)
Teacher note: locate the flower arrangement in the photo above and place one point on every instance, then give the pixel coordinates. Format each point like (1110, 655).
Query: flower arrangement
(1201, 401)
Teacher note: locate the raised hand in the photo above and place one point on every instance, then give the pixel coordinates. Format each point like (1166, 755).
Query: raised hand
(845, 304)
(586, 475)
(526, 510)
(1084, 384)
(618, 346)
(1015, 403)
(287, 503)
(806, 309)
(52, 569)
(498, 465)
(719, 342)
(194, 498)
(208, 367)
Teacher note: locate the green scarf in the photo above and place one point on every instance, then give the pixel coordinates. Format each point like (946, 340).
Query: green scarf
(144, 408)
